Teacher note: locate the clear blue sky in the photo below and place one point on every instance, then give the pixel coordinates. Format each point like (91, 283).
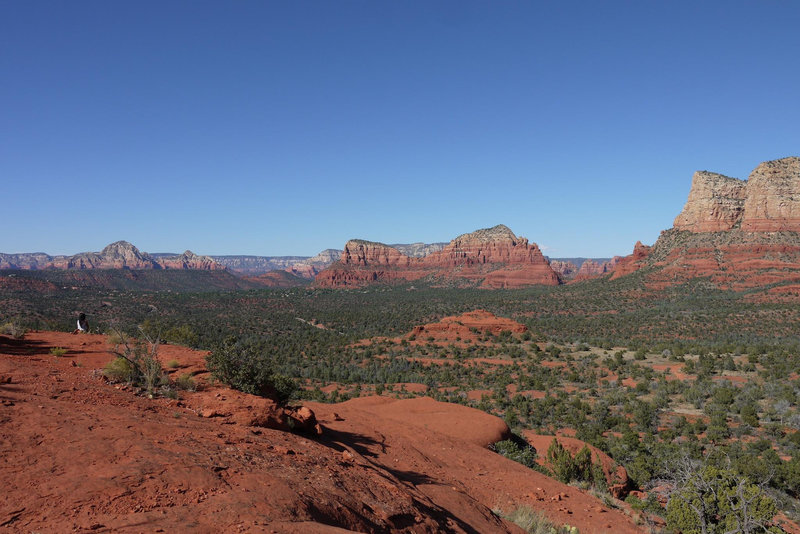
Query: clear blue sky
(283, 128)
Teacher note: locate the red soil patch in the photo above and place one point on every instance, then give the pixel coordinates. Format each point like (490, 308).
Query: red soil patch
(77, 453)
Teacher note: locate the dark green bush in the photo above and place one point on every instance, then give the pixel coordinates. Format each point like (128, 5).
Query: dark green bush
(246, 366)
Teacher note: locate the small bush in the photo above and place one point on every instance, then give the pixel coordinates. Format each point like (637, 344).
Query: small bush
(173, 364)
(119, 370)
(245, 366)
(523, 454)
(182, 335)
(146, 369)
(534, 522)
(58, 351)
(14, 329)
(186, 382)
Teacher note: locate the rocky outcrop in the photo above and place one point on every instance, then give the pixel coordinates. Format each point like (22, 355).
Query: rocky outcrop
(633, 262)
(592, 268)
(489, 258)
(466, 326)
(117, 255)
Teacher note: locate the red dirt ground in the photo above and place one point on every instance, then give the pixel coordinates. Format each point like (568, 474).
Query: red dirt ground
(80, 454)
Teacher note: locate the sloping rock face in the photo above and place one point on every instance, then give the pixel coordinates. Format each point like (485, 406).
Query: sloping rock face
(117, 255)
(737, 234)
(489, 258)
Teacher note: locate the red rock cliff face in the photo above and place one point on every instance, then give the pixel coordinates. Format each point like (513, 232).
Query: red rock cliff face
(715, 203)
(490, 258)
(769, 201)
(773, 197)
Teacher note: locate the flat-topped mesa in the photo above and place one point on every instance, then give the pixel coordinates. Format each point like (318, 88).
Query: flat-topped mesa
(370, 253)
(715, 203)
(773, 197)
(769, 201)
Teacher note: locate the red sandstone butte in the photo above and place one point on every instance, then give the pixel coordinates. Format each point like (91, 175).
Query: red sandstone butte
(491, 258)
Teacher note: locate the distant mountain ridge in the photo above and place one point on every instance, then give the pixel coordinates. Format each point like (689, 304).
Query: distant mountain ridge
(117, 255)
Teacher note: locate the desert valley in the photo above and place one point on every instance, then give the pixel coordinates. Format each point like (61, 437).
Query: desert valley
(472, 386)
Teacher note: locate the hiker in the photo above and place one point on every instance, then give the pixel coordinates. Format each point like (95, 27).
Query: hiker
(83, 325)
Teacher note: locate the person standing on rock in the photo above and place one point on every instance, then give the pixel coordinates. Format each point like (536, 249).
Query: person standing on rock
(83, 325)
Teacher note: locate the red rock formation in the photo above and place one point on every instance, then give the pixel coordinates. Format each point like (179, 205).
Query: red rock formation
(769, 201)
(464, 326)
(490, 258)
(633, 262)
(565, 269)
(737, 234)
(715, 203)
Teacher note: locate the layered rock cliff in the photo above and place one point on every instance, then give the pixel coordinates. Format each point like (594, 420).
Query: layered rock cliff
(769, 201)
(489, 258)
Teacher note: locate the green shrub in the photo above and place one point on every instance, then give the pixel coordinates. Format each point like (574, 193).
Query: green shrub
(173, 364)
(245, 366)
(119, 370)
(14, 329)
(58, 351)
(182, 335)
(578, 468)
(534, 522)
(523, 454)
(186, 382)
(146, 370)
(712, 499)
